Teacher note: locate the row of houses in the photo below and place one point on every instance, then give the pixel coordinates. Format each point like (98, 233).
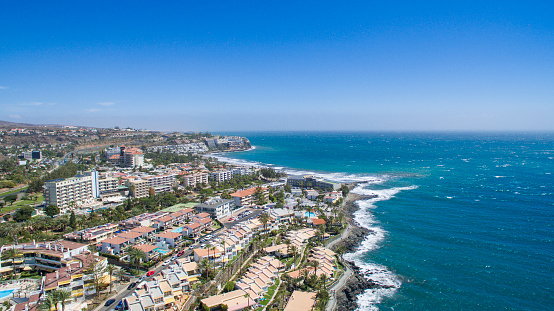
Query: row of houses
(142, 235)
(167, 288)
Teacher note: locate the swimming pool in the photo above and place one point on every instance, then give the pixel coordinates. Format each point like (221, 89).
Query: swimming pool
(309, 215)
(178, 230)
(161, 251)
(7, 292)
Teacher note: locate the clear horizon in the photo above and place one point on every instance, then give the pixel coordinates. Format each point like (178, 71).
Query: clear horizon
(287, 66)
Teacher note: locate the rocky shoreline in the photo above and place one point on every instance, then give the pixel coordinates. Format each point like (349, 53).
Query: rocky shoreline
(346, 298)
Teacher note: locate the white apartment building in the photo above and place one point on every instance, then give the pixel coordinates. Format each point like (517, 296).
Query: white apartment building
(222, 175)
(107, 185)
(160, 180)
(194, 179)
(139, 188)
(76, 190)
(133, 157)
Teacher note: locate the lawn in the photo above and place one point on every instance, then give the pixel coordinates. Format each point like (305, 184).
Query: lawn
(21, 203)
(269, 294)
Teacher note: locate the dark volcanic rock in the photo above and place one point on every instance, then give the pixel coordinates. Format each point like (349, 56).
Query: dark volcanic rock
(357, 283)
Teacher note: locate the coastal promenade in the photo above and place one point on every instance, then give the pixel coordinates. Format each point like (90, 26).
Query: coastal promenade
(331, 304)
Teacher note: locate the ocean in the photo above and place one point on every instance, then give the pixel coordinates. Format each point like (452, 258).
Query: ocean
(461, 221)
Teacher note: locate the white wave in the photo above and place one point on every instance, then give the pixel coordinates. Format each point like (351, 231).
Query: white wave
(378, 274)
(335, 177)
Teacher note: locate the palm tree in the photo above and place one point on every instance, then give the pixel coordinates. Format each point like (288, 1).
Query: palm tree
(62, 295)
(110, 268)
(136, 256)
(205, 264)
(264, 219)
(315, 264)
(120, 274)
(48, 303)
(12, 254)
(323, 279)
(287, 243)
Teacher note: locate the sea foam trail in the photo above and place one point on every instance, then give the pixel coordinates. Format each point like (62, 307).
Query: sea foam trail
(376, 273)
(335, 177)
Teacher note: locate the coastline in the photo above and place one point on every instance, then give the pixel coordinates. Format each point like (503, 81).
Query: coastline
(353, 283)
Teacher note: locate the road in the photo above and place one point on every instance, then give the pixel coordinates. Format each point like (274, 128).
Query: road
(228, 224)
(127, 292)
(331, 304)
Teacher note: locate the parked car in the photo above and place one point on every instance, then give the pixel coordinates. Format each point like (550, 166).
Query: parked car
(119, 305)
(180, 253)
(132, 285)
(150, 273)
(109, 302)
(191, 247)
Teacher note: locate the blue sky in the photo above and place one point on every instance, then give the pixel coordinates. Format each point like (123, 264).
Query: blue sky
(281, 65)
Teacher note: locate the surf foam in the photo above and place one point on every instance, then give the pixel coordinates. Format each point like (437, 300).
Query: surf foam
(379, 274)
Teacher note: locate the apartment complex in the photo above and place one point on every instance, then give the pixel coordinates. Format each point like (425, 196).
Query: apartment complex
(76, 190)
(192, 180)
(310, 181)
(138, 188)
(248, 197)
(216, 207)
(107, 185)
(45, 256)
(76, 276)
(221, 175)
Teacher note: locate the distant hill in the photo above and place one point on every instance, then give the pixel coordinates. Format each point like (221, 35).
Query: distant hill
(14, 124)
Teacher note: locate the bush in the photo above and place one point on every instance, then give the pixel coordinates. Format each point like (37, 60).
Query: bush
(109, 256)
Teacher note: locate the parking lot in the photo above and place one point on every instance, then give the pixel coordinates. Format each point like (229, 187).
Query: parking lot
(241, 216)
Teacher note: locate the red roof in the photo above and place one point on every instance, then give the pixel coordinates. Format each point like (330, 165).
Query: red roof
(318, 221)
(245, 193)
(169, 235)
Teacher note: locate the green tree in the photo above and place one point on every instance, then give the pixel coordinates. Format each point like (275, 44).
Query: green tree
(12, 254)
(62, 296)
(10, 198)
(23, 214)
(205, 265)
(51, 210)
(97, 272)
(259, 196)
(111, 269)
(136, 256)
(48, 302)
(264, 219)
(73, 220)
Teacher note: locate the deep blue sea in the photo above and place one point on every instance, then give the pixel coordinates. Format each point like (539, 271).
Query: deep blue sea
(462, 221)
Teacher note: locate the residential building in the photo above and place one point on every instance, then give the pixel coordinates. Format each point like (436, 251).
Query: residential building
(133, 157)
(309, 181)
(221, 175)
(114, 246)
(66, 192)
(192, 180)
(44, 256)
(138, 188)
(216, 207)
(107, 185)
(248, 197)
(301, 301)
(235, 300)
(76, 277)
(171, 238)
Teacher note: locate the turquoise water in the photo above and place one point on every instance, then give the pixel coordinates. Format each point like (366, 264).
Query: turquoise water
(309, 215)
(178, 230)
(6, 293)
(462, 221)
(161, 251)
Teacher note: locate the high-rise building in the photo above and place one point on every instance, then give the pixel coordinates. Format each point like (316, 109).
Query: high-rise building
(65, 192)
